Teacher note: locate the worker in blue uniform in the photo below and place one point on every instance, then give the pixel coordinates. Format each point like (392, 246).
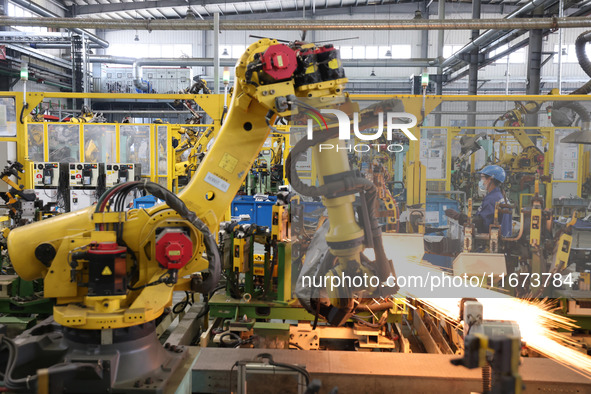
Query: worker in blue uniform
(491, 178)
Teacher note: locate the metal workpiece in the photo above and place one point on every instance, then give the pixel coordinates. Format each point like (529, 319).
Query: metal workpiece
(291, 24)
(363, 372)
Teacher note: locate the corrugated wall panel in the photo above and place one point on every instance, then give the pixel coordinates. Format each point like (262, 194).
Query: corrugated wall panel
(495, 72)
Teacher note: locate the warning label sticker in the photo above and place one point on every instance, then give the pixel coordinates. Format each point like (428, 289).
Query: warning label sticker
(228, 162)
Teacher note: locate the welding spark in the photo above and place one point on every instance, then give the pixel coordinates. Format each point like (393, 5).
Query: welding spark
(537, 322)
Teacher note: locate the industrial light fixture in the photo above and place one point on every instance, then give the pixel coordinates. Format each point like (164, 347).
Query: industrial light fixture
(418, 14)
(373, 73)
(225, 53)
(389, 51)
(190, 14)
(137, 38)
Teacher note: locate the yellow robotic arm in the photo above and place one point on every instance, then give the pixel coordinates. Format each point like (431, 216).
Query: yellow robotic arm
(108, 268)
(531, 157)
(515, 118)
(197, 145)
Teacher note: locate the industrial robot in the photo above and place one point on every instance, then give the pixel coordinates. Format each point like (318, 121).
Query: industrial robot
(112, 272)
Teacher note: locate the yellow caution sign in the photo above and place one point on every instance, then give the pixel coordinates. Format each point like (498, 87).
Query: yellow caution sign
(106, 271)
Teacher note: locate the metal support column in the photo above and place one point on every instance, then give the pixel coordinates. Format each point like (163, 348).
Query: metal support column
(5, 83)
(85, 78)
(424, 33)
(204, 54)
(3, 12)
(560, 15)
(77, 68)
(473, 70)
(534, 58)
(216, 53)
(440, 41)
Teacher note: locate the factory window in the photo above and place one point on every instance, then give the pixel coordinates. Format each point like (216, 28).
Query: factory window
(516, 57)
(231, 51)
(183, 50)
(371, 52)
(167, 51)
(137, 51)
(401, 51)
(396, 52)
(154, 50)
(383, 50)
(238, 50)
(126, 50)
(375, 52)
(18, 11)
(358, 52)
(7, 117)
(150, 50)
(449, 50)
(569, 53)
(498, 51)
(346, 52)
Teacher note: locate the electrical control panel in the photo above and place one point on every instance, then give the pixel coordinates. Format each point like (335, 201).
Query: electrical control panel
(84, 174)
(80, 198)
(47, 195)
(46, 175)
(120, 173)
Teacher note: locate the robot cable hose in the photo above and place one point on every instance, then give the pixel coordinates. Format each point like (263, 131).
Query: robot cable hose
(119, 192)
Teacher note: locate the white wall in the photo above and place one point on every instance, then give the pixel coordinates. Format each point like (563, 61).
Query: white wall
(127, 38)
(203, 46)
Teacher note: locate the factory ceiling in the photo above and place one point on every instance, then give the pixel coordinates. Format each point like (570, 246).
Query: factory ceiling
(204, 9)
